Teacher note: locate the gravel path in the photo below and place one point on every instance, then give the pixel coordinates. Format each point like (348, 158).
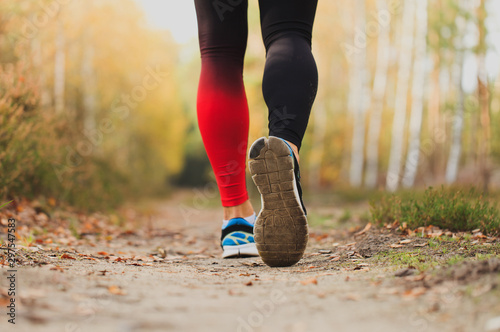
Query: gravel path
(175, 280)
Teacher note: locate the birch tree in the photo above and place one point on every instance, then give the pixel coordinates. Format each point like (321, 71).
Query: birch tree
(38, 62)
(484, 98)
(458, 119)
(417, 109)
(59, 69)
(379, 87)
(398, 126)
(359, 96)
(88, 84)
(318, 138)
(88, 75)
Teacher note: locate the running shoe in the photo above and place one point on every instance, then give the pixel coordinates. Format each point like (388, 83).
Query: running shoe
(281, 230)
(237, 239)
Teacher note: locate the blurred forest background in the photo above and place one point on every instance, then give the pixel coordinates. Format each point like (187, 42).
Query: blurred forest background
(98, 106)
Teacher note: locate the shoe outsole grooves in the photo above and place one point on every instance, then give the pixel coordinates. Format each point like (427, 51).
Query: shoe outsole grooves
(280, 231)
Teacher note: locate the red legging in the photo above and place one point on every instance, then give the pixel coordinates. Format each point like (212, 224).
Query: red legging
(289, 84)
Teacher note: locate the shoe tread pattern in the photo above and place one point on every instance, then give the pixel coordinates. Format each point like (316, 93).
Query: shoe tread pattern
(281, 231)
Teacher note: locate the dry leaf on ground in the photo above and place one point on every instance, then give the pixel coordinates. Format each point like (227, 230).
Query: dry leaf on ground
(116, 290)
(309, 281)
(66, 256)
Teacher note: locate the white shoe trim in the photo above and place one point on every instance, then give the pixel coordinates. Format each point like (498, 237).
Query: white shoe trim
(248, 249)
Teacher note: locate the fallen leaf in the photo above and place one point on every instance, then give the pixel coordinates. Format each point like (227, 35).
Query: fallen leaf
(57, 268)
(249, 283)
(103, 253)
(362, 267)
(139, 264)
(414, 292)
(320, 237)
(351, 297)
(366, 229)
(309, 281)
(405, 241)
(91, 258)
(418, 277)
(396, 245)
(66, 256)
(115, 290)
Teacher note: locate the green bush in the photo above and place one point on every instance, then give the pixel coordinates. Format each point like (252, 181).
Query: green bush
(33, 141)
(453, 210)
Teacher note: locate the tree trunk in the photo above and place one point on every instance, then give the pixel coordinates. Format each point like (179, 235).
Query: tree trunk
(398, 126)
(45, 93)
(433, 118)
(359, 97)
(379, 87)
(318, 139)
(484, 106)
(458, 123)
(88, 84)
(417, 109)
(434, 91)
(59, 69)
(484, 100)
(458, 120)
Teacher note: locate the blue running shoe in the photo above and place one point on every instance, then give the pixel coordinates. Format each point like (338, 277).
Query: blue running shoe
(237, 239)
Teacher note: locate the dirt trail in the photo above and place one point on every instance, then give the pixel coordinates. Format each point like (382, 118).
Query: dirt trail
(126, 285)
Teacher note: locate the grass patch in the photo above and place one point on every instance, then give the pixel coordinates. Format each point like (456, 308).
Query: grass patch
(453, 210)
(415, 259)
(440, 251)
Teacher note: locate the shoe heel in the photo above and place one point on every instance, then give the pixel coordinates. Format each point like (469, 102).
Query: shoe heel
(280, 232)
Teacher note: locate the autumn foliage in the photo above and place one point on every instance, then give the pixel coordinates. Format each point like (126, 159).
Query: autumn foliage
(89, 107)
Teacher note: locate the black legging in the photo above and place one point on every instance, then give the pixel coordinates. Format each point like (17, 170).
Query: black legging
(289, 84)
(290, 76)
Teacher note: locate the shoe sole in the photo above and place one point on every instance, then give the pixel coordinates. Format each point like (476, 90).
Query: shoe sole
(243, 250)
(280, 231)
